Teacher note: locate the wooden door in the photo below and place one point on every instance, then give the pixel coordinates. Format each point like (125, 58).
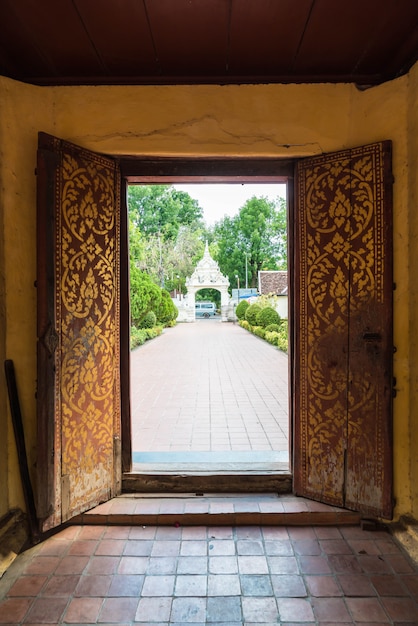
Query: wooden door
(78, 394)
(343, 329)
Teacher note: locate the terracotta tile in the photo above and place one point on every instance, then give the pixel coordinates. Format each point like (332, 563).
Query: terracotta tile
(223, 565)
(345, 564)
(133, 565)
(278, 548)
(252, 565)
(314, 565)
(116, 609)
(72, 565)
(110, 547)
(158, 586)
(256, 585)
(401, 609)
(411, 582)
(92, 586)
(307, 547)
(13, 610)
(117, 532)
(220, 532)
(323, 586)
(162, 565)
(102, 565)
(301, 533)
(191, 565)
(399, 563)
(27, 586)
(364, 546)
(194, 532)
(224, 547)
(190, 585)
(388, 586)
(129, 585)
(288, 586)
(248, 547)
(327, 532)
(249, 532)
(137, 548)
(193, 548)
(142, 532)
(83, 610)
(330, 609)
(53, 547)
(283, 565)
(46, 610)
(295, 609)
(366, 610)
(223, 585)
(356, 585)
(335, 546)
(253, 608)
(185, 610)
(42, 565)
(220, 608)
(374, 564)
(166, 548)
(153, 610)
(92, 532)
(80, 548)
(61, 585)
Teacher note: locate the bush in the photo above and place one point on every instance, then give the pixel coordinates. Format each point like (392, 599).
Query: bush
(273, 328)
(149, 320)
(241, 309)
(166, 311)
(267, 316)
(251, 314)
(244, 324)
(259, 331)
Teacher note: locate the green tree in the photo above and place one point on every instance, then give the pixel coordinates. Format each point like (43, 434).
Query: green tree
(161, 209)
(253, 240)
(145, 295)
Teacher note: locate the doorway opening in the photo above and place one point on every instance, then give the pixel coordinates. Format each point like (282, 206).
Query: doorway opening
(210, 394)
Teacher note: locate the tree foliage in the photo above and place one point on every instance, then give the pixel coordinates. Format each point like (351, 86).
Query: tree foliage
(254, 240)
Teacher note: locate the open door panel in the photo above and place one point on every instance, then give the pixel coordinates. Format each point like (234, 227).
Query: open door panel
(343, 329)
(78, 394)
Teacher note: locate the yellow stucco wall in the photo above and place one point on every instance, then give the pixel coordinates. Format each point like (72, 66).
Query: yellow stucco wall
(266, 120)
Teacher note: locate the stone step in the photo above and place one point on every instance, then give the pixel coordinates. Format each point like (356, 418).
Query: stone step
(198, 509)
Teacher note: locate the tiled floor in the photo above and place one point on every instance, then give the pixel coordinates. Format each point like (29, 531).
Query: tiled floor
(209, 386)
(220, 575)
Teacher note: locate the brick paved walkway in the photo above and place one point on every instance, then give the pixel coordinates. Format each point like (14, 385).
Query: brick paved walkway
(209, 387)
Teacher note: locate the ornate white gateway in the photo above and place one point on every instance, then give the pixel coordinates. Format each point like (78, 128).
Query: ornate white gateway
(207, 275)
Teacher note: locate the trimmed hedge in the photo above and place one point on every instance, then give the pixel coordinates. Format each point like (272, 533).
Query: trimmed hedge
(241, 309)
(140, 335)
(267, 316)
(149, 320)
(251, 314)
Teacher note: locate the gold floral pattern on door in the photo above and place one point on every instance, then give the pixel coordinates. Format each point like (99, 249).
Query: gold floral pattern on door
(342, 297)
(88, 317)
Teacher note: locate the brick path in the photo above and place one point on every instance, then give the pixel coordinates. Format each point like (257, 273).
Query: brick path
(209, 386)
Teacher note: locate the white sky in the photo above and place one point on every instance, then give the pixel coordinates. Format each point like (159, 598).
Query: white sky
(219, 200)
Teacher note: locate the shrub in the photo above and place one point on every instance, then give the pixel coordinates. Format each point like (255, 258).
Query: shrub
(259, 331)
(273, 328)
(166, 311)
(244, 324)
(267, 316)
(251, 314)
(149, 320)
(241, 309)
(138, 337)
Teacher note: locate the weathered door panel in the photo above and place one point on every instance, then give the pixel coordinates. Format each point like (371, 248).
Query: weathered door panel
(78, 329)
(343, 329)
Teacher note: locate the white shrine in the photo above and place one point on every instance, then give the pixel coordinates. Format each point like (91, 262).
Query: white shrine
(206, 275)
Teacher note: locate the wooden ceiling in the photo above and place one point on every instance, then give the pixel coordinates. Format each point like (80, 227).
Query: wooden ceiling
(141, 42)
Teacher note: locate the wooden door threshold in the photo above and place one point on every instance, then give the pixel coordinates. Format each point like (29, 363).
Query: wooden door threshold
(238, 480)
